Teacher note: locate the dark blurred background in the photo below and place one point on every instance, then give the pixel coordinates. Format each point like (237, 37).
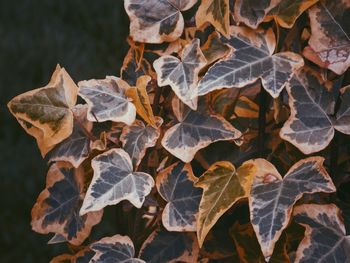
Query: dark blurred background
(87, 37)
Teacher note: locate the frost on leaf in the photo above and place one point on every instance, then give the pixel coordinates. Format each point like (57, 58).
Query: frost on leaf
(115, 181)
(107, 101)
(57, 207)
(45, 113)
(176, 186)
(182, 75)
(195, 130)
(272, 198)
(251, 58)
(156, 21)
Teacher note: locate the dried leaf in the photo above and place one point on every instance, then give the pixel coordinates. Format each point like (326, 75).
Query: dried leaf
(57, 207)
(272, 198)
(325, 239)
(114, 181)
(175, 184)
(182, 75)
(107, 101)
(216, 12)
(223, 186)
(164, 246)
(329, 44)
(156, 21)
(45, 113)
(137, 137)
(252, 58)
(141, 100)
(195, 130)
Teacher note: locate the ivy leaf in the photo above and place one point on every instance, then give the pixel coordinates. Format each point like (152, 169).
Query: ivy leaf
(251, 59)
(114, 249)
(137, 137)
(342, 122)
(329, 44)
(325, 238)
(107, 101)
(45, 113)
(272, 198)
(175, 184)
(83, 256)
(252, 12)
(216, 12)
(182, 76)
(213, 49)
(115, 181)
(288, 11)
(195, 130)
(57, 207)
(223, 186)
(156, 21)
(141, 100)
(310, 126)
(74, 149)
(164, 246)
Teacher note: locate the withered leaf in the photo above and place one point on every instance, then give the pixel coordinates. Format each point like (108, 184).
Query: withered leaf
(114, 249)
(223, 186)
(114, 181)
(140, 98)
(164, 246)
(325, 238)
(288, 11)
(45, 113)
(182, 75)
(137, 137)
(251, 58)
(57, 207)
(195, 130)
(216, 12)
(329, 44)
(272, 198)
(252, 12)
(74, 149)
(156, 21)
(310, 125)
(176, 185)
(107, 101)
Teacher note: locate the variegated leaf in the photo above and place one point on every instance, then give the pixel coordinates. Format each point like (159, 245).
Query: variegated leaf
(329, 44)
(288, 11)
(164, 246)
(140, 98)
(272, 198)
(251, 58)
(57, 207)
(195, 130)
(182, 75)
(223, 186)
(216, 12)
(325, 237)
(74, 149)
(137, 137)
(342, 122)
(253, 12)
(115, 181)
(45, 113)
(309, 127)
(176, 186)
(156, 21)
(114, 249)
(213, 49)
(107, 101)
(83, 256)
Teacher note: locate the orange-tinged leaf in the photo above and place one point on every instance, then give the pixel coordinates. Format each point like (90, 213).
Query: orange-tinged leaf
(223, 186)
(140, 99)
(216, 12)
(45, 113)
(57, 207)
(213, 49)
